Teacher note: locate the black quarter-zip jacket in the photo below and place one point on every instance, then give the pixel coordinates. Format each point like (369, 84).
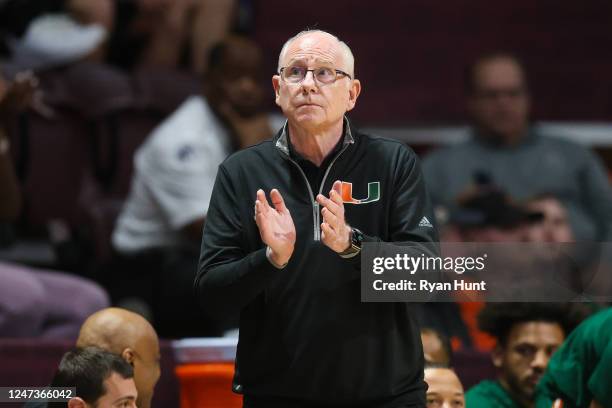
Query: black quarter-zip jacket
(304, 333)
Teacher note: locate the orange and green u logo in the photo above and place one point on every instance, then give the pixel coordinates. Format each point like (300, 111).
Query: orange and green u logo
(373, 193)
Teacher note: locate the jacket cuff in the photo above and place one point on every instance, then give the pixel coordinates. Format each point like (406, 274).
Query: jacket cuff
(269, 257)
(355, 261)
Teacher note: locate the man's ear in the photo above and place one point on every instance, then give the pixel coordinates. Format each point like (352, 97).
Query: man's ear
(128, 355)
(497, 355)
(354, 92)
(276, 86)
(76, 402)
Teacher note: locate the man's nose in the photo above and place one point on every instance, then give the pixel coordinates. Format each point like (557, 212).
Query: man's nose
(308, 83)
(540, 360)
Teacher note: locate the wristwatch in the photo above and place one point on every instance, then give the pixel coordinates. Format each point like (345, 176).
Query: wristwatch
(356, 238)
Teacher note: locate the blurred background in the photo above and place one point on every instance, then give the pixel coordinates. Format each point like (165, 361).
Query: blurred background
(84, 83)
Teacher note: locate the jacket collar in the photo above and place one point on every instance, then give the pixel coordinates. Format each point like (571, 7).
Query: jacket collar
(282, 140)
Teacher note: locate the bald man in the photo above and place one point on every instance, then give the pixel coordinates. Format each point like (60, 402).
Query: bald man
(132, 337)
(291, 267)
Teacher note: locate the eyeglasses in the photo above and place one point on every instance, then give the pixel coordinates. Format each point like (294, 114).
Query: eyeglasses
(322, 75)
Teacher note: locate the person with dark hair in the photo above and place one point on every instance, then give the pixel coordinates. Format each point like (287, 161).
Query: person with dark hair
(521, 158)
(131, 337)
(160, 226)
(444, 388)
(436, 347)
(580, 372)
(554, 226)
(485, 213)
(128, 336)
(527, 335)
(102, 379)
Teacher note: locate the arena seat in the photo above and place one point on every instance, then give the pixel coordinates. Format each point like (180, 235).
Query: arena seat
(164, 89)
(51, 157)
(90, 89)
(473, 366)
(115, 137)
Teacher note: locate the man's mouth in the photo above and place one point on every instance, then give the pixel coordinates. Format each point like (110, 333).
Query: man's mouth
(533, 380)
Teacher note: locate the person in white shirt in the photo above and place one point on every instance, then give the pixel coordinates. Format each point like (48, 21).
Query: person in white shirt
(160, 226)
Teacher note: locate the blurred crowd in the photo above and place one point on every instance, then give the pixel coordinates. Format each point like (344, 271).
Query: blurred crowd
(114, 116)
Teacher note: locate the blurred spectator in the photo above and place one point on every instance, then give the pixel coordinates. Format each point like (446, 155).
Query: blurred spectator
(444, 388)
(527, 336)
(580, 372)
(35, 303)
(485, 213)
(127, 33)
(554, 226)
(168, 33)
(174, 172)
(54, 40)
(436, 347)
(101, 379)
(517, 156)
(50, 35)
(130, 336)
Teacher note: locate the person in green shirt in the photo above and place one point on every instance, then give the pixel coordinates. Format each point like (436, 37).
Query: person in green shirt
(580, 373)
(527, 336)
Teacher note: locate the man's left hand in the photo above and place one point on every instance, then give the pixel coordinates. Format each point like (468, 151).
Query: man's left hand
(335, 232)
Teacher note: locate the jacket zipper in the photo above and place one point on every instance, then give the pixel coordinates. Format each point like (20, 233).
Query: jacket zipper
(315, 205)
(317, 220)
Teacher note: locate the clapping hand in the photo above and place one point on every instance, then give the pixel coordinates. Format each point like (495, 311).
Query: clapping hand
(335, 232)
(275, 226)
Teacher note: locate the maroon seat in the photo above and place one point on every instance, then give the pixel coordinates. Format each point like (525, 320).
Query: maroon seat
(114, 140)
(473, 366)
(90, 89)
(164, 89)
(51, 155)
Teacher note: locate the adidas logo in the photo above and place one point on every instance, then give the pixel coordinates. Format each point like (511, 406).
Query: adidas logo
(425, 223)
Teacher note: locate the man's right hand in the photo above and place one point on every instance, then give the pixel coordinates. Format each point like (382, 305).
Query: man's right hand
(275, 226)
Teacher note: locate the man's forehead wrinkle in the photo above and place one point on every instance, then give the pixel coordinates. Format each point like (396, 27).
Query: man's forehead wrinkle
(306, 48)
(309, 58)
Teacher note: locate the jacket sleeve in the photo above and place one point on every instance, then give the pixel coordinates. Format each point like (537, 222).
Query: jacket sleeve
(412, 217)
(228, 277)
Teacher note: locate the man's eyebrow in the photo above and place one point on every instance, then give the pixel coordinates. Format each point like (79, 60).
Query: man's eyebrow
(125, 398)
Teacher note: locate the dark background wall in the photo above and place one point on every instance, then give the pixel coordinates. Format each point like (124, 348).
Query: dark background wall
(410, 55)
